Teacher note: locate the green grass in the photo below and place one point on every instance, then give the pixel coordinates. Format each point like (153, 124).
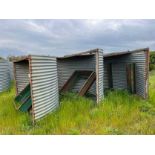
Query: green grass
(118, 113)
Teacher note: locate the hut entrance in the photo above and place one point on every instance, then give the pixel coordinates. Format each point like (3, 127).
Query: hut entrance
(130, 72)
(23, 101)
(84, 78)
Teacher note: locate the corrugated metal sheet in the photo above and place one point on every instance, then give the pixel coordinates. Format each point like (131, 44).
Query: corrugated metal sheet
(119, 76)
(83, 61)
(44, 85)
(11, 70)
(5, 77)
(105, 78)
(141, 72)
(21, 75)
(119, 71)
(100, 72)
(41, 73)
(66, 67)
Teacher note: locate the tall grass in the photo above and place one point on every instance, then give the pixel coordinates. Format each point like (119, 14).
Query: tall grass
(118, 113)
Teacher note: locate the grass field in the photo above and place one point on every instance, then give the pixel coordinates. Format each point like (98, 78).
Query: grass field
(119, 113)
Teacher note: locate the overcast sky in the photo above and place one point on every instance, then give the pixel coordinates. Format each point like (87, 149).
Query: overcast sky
(59, 37)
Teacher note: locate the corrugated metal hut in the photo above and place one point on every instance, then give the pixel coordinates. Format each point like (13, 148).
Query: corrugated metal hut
(5, 75)
(120, 70)
(82, 73)
(36, 84)
(127, 70)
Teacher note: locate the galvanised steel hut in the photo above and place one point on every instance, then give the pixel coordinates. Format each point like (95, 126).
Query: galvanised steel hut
(94, 71)
(36, 85)
(82, 73)
(127, 70)
(5, 75)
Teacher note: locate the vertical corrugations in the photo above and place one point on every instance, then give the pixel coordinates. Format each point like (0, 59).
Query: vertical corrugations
(119, 76)
(147, 73)
(44, 85)
(140, 59)
(67, 66)
(119, 71)
(105, 79)
(5, 76)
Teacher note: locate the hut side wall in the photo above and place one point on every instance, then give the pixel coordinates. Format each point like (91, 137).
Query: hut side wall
(119, 71)
(21, 70)
(119, 76)
(140, 58)
(44, 85)
(100, 72)
(11, 70)
(5, 78)
(67, 66)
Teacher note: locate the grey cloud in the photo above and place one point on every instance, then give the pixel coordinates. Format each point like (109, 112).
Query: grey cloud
(59, 37)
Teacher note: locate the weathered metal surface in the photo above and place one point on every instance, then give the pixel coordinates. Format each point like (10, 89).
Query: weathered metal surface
(67, 66)
(140, 60)
(41, 73)
(5, 76)
(119, 76)
(110, 77)
(79, 54)
(11, 70)
(99, 75)
(131, 81)
(44, 85)
(91, 60)
(21, 74)
(75, 78)
(119, 71)
(124, 52)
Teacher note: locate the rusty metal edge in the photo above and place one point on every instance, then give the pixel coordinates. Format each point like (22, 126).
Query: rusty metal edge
(97, 76)
(86, 53)
(14, 71)
(21, 59)
(147, 73)
(125, 52)
(30, 79)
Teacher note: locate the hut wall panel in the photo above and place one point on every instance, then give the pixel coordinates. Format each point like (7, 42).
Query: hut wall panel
(119, 76)
(21, 75)
(5, 78)
(44, 85)
(141, 84)
(100, 76)
(105, 76)
(11, 70)
(119, 71)
(67, 66)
